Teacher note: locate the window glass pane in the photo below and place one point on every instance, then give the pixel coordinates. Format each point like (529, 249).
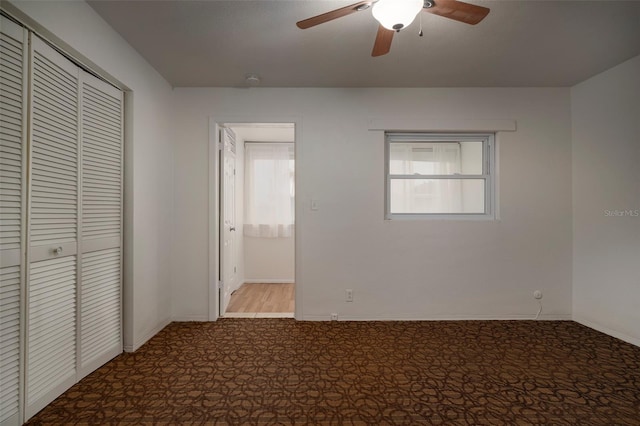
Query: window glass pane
(269, 193)
(471, 158)
(437, 196)
(435, 158)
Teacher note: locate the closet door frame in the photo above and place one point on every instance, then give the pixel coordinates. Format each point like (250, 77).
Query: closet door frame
(28, 32)
(17, 257)
(24, 266)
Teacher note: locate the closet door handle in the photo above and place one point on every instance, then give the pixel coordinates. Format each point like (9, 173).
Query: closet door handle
(57, 251)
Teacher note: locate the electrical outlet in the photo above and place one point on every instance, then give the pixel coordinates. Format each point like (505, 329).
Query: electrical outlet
(334, 317)
(348, 295)
(537, 294)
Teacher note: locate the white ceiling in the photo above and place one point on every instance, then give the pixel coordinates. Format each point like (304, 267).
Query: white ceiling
(521, 43)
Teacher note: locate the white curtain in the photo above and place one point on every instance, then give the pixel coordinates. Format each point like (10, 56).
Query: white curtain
(269, 190)
(447, 192)
(425, 195)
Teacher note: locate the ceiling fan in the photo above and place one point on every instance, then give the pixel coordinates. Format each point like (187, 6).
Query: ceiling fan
(394, 15)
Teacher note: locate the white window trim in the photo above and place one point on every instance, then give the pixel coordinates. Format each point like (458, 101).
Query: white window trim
(489, 167)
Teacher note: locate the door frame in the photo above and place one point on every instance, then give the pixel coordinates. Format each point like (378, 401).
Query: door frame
(215, 125)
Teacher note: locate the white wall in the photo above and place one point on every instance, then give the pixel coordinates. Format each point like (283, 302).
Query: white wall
(400, 269)
(606, 179)
(269, 260)
(148, 163)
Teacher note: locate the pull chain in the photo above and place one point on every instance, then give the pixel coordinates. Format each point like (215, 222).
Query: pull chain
(421, 33)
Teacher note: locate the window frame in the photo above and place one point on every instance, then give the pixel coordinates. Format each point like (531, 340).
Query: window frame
(488, 172)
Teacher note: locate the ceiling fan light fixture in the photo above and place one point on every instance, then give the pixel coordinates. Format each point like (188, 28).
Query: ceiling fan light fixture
(396, 14)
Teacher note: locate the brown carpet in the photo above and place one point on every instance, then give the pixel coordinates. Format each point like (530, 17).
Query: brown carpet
(280, 372)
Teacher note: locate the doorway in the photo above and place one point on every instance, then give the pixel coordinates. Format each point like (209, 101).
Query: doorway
(257, 220)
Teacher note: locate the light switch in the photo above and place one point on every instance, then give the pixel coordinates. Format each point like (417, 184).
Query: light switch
(314, 204)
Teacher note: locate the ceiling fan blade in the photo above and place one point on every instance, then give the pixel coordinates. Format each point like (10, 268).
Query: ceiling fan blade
(458, 11)
(334, 14)
(382, 45)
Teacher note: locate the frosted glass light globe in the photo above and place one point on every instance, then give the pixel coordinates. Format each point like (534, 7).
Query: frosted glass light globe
(396, 14)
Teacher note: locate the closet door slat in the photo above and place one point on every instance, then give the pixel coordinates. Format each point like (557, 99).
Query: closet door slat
(10, 338)
(55, 91)
(51, 362)
(98, 136)
(11, 129)
(53, 214)
(100, 314)
(101, 232)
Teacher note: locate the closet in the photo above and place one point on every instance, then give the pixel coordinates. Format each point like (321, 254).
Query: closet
(61, 164)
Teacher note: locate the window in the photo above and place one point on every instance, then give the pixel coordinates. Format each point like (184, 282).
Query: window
(269, 189)
(439, 175)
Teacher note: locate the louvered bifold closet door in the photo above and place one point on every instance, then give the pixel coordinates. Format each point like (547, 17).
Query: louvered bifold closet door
(53, 227)
(101, 231)
(13, 65)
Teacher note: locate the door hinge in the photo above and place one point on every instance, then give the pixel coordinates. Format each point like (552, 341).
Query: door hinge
(220, 284)
(234, 270)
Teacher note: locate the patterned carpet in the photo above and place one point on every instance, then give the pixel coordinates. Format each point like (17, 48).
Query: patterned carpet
(281, 372)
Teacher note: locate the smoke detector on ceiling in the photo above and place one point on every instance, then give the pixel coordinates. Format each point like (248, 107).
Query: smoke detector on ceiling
(252, 80)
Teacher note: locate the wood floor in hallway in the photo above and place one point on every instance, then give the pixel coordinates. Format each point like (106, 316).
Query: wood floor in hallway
(264, 298)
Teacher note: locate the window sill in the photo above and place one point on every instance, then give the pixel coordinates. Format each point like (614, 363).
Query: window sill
(444, 217)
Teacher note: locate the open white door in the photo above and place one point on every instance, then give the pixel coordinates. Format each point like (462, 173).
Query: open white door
(228, 252)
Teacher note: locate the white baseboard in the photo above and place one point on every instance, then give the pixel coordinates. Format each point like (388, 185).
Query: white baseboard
(606, 330)
(258, 315)
(510, 317)
(147, 336)
(269, 281)
(190, 318)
